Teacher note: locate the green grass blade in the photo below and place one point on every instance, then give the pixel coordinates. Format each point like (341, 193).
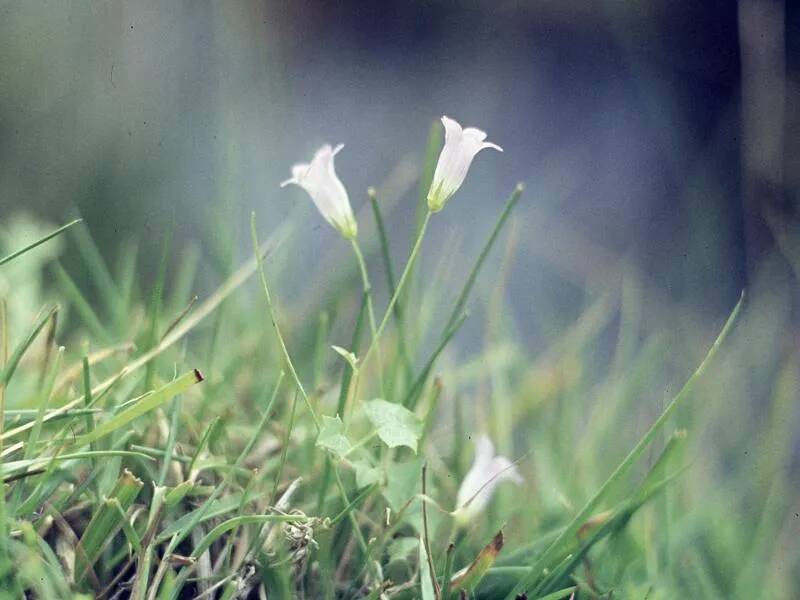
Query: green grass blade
(284, 451)
(235, 522)
(528, 582)
(105, 522)
(19, 351)
(154, 310)
(33, 437)
(487, 247)
(130, 533)
(171, 437)
(146, 404)
(81, 304)
(38, 242)
(273, 316)
(411, 398)
(15, 466)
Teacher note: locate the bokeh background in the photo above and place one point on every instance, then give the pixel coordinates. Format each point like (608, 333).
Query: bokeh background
(656, 138)
(628, 121)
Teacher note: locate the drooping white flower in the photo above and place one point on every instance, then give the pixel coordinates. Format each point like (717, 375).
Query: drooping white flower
(479, 484)
(460, 148)
(319, 179)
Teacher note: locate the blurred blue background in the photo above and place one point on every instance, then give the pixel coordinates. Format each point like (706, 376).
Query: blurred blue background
(627, 120)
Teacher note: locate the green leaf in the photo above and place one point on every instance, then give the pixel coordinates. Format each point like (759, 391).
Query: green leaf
(217, 438)
(470, 578)
(396, 425)
(403, 483)
(331, 436)
(366, 474)
(401, 492)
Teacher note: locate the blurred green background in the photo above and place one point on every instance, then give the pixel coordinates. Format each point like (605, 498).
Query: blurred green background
(625, 119)
(654, 138)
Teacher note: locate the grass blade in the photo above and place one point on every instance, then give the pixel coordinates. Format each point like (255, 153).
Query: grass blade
(19, 351)
(38, 242)
(528, 582)
(487, 247)
(146, 404)
(273, 316)
(106, 522)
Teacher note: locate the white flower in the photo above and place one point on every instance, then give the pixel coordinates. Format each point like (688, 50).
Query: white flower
(486, 472)
(460, 147)
(319, 179)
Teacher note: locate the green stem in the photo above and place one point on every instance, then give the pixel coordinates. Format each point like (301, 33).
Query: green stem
(402, 345)
(274, 318)
(406, 271)
(360, 443)
(362, 267)
(343, 393)
(362, 543)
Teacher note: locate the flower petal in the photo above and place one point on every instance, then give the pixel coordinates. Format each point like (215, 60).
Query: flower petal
(319, 180)
(475, 133)
(452, 129)
(458, 152)
(478, 485)
(491, 145)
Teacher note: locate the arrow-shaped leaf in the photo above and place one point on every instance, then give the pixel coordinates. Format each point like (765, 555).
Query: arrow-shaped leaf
(396, 425)
(332, 437)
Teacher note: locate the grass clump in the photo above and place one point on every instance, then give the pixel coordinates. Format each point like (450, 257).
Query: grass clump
(320, 454)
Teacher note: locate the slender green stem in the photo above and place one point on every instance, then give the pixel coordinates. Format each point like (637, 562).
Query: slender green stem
(457, 314)
(406, 271)
(355, 344)
(274, 318)
(362, 267)
(284, 452)
(362, 543)
(361, 443)
(343, 394)
(402, 346)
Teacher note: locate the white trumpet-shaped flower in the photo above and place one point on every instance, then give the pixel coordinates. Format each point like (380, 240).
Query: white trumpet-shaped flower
(460, 148)
(319, 179)
(479, 484)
